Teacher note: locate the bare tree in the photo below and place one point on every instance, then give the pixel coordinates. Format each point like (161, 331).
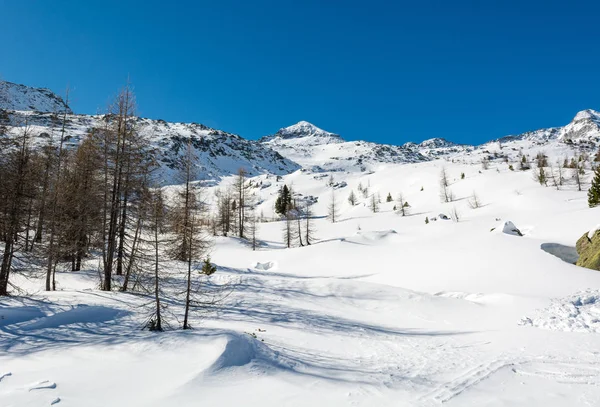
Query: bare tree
(190, 243)
(454, 214)
(332, 208)
(241, 190)
(485, 163)
(444, 177)
(561, 167)
(157, 218)
(403, 206)
(446, 194)
(352, 198)
(309, 230)
(14, 184)
(224, 210)
(50, 265)
(374, 203)
(253, 228)
(552, 176)
(577, 176)
(289, 231)
(474, 201)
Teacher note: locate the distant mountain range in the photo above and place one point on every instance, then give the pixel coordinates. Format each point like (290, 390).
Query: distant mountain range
(300, 146)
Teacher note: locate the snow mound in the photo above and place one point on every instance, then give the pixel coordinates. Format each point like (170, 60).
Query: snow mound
(508, 228)
(579, 312)
(265, 266)
(244, 351)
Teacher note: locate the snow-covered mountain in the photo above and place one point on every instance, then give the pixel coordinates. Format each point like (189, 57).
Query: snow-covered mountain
(319, 150)
(308, 133)
(302, 145)
(218, 153)
(584, 127)
(20, 97)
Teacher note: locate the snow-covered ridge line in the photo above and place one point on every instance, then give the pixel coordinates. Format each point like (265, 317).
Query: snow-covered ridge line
(21, 97)
(218, 153)
(302, 145)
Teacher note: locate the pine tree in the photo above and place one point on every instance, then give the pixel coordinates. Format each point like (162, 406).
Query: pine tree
(541, 177)
(208, 268)
(389, 198)
(283, 203)
(594, 191)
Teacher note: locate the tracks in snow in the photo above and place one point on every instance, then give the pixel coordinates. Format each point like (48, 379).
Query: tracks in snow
(465, 381)
(561, 371)
(19, 393)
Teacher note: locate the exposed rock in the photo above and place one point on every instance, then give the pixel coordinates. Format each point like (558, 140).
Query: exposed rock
(508, 228)
(588, 247)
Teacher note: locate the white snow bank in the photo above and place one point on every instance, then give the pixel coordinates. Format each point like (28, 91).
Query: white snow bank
(579, 312)
(242, 350)
(508, 228)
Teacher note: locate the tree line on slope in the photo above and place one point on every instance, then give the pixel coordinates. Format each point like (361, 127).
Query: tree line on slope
(60, 205)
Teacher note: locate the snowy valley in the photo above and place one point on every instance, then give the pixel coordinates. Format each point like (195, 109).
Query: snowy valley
(429, 297)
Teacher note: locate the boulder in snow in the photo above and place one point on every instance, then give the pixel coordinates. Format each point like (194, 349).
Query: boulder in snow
(588, 247)
(507, 227)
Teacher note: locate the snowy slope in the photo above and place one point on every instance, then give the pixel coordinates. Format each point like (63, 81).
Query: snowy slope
(584, 127)
(20, 97)
(381, 310)
(318, 150)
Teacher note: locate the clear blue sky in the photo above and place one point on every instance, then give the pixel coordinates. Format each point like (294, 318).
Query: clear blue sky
(385, 71)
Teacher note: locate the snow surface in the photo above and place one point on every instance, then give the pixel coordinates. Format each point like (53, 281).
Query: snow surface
(381, 310)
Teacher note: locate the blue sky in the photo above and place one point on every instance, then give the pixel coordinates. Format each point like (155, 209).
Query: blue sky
(384, 71)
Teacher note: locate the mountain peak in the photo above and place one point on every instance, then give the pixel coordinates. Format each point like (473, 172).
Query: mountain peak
(587, 114)
(437, 142)
(306, 131)
(21, 97)
(584, 127)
